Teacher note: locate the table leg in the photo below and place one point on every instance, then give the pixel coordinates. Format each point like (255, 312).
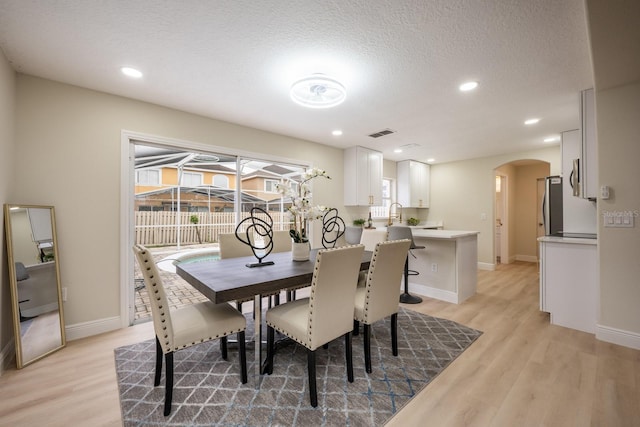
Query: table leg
(257, 314)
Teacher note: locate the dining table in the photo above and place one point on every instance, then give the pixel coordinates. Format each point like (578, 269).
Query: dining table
(232, 279)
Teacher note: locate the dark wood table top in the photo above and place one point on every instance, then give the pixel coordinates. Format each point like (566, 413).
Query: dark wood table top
(230, 279)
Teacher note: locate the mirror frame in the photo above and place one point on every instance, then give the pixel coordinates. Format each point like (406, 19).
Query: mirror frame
(13, 282)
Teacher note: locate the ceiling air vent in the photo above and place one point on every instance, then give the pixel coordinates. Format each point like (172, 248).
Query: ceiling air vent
(382, 133)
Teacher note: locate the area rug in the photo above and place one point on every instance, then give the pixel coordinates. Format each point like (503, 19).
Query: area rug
(208, 392)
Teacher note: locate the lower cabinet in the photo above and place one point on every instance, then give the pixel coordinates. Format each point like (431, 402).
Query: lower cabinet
(569, 282)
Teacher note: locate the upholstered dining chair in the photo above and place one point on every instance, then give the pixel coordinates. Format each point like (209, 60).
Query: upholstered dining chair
(326, 315)
(379, 298)
(187, 326)
(231, 247)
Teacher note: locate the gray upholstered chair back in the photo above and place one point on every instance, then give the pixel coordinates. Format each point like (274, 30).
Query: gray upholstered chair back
(383, 281)
(399, 232)
(352, 234)
(157, 298)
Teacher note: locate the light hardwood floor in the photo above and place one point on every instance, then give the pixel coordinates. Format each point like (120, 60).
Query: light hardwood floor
(521, 372)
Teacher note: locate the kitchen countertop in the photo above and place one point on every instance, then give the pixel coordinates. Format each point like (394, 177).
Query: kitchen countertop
(437, 234)
(572, 240)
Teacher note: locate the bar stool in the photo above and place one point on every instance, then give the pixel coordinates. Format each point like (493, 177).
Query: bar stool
(399, 232)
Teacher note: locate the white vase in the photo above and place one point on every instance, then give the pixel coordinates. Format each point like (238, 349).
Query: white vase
(300, 251)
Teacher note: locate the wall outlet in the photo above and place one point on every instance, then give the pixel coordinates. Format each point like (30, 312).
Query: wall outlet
(64, 294)
(434, 268)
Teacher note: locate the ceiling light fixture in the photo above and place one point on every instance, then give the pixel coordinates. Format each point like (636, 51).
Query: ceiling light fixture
(131, 72)
(318, 91)
(398, 150)
(465, 87)
(531, 121)
(336, 132)
(551, 139)
(431, 160)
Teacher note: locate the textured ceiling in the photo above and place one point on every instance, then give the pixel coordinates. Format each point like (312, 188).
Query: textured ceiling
(401, 62)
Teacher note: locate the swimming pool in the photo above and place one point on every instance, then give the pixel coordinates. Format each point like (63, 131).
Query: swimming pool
(189, 256)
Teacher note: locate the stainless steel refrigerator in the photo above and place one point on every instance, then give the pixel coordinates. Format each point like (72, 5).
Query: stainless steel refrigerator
(552, 206)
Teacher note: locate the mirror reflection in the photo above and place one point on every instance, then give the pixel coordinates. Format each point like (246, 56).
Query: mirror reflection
(35, 281)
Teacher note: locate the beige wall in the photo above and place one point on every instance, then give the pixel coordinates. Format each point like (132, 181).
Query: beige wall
(526, 209)
(68, 155)
(461, 192)
(7, 120)
(614, 35)
(618, 122)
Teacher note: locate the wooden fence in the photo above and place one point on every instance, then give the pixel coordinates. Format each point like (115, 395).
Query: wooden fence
(160, 228)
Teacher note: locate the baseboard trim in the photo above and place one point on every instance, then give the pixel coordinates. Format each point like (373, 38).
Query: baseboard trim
(95, 327)
(7, 356)
(618, 336)
(430, 292)
(486, 266)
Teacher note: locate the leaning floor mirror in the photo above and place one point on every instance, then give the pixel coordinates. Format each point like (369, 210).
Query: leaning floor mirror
(34, 277)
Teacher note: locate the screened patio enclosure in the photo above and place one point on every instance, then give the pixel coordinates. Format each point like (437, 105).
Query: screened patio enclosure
(187, 197)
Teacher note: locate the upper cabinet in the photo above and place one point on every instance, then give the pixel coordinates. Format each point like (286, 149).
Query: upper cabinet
(413, 184)
(362, 177)
(588, 168)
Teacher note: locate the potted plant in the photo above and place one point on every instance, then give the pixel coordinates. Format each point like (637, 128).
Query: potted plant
(301, 212)
(413, 221)
(359, 222)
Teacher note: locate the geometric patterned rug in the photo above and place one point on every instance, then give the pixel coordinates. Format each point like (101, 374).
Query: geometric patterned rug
(208, 392)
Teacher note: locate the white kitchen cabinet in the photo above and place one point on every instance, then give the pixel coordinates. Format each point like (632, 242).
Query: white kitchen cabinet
(569, 282)
(589, 153)
(413, 184)
(362, 177)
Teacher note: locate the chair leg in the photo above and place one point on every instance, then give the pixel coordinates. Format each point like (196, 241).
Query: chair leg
(243, 356)
(311, 368)
(356, 328)
(168, 387)
(223, 347)
(349, 356)
(394, 333)
(270, 343)
(156, 380)
(367, 347)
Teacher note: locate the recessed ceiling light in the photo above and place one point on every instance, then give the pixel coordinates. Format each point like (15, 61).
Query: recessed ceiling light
(336, 132)
(318, 91)
(398, 150)
(131, 72)
(467, 86)
(431, 160)
(552, 139)
(531, 121)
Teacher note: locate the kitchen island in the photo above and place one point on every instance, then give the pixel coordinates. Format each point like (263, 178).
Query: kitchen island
(447, 266)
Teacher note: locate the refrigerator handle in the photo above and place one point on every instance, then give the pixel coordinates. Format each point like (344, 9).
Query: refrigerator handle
(574, 178)
(545, 220)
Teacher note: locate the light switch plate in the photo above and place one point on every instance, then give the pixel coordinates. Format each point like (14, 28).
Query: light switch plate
(619, 219)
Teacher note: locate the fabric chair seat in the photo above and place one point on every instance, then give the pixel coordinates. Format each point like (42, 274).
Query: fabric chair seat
(291, 319)
(193, 322)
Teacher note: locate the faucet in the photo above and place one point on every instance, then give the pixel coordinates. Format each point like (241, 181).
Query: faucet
(396, 215)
